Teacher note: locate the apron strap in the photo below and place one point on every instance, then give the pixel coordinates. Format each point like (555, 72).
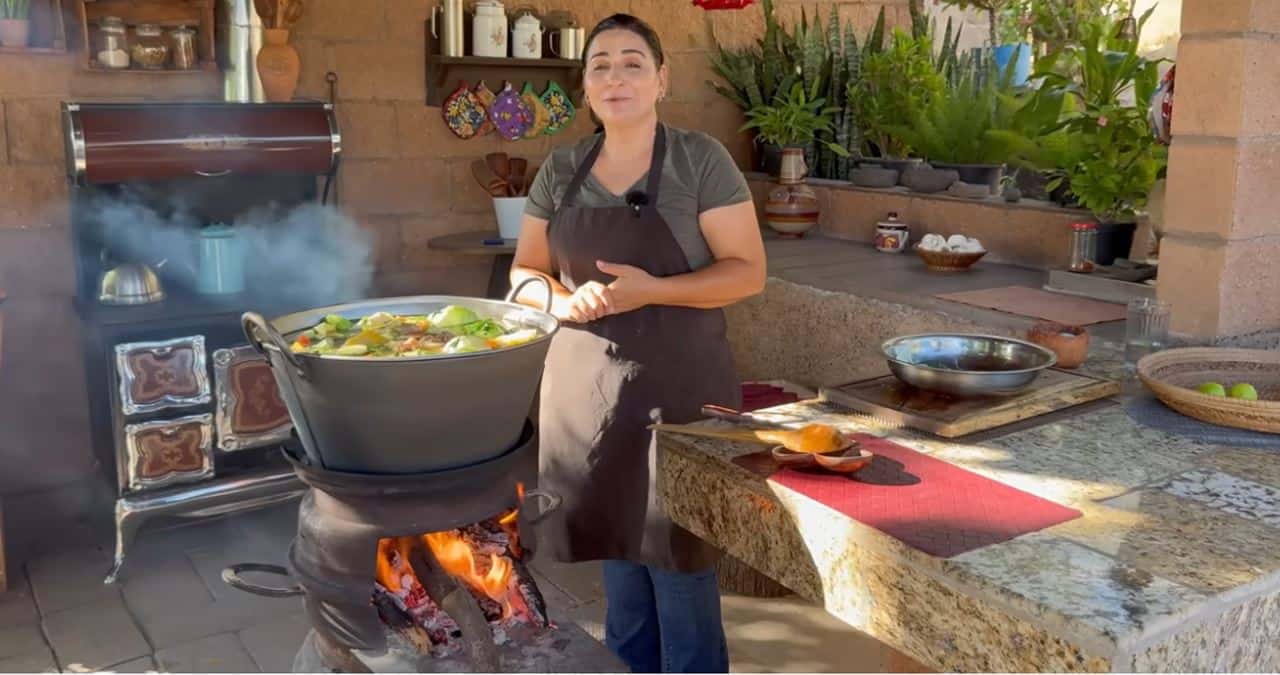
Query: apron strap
(584, 169)
(655, 165)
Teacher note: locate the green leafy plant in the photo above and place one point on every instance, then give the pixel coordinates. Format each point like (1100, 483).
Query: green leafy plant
(793, 119)
(972, 122)
(15, 9)
(1100, 147)
(893, 84)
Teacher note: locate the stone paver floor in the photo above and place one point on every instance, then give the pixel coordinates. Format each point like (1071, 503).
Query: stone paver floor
(171, 612)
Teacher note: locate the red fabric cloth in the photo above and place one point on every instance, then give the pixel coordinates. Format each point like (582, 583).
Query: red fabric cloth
(757, 395)
(931, 505)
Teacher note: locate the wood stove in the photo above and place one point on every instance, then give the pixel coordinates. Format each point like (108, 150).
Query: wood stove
(184, 415)
(424, 572)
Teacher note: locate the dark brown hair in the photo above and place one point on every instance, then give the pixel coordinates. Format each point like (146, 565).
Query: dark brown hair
(623, 22)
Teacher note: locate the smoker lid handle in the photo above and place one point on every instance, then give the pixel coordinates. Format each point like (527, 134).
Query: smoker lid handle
(255, 327)
(231, 575)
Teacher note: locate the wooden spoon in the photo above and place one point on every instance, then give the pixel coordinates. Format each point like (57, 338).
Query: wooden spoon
(266, 11)
(499, 164)
(495, 186)
(817, 439)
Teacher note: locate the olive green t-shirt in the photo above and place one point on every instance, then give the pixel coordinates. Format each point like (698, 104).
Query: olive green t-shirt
(698, 174)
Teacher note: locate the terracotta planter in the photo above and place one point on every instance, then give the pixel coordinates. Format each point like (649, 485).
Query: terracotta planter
(1070, 343)
(792, 207)
(14, 32)
(278, 65)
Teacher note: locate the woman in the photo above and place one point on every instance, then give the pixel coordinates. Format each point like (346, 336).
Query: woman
(644, 232)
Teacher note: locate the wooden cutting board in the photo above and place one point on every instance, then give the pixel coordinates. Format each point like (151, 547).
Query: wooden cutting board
(888, 398)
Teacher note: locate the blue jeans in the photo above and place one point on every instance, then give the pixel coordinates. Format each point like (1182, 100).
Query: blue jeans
(662, 621)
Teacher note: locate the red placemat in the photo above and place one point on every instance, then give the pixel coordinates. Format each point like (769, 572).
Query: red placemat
(757, 395)
(924, 502)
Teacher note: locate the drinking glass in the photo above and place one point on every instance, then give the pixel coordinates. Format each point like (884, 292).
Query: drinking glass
(1146, 329)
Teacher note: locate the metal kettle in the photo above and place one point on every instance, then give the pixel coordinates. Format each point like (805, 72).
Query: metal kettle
(130, 284)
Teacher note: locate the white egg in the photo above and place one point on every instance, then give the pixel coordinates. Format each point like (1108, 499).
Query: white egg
(956, 241)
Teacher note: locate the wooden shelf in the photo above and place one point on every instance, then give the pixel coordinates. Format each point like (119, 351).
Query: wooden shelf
(445, 73)
(194, 14)
(32, 50)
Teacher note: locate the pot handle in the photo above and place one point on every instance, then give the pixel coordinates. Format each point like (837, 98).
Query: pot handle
(515, 292)
(255, 325)
(553, 503)
(231, 575)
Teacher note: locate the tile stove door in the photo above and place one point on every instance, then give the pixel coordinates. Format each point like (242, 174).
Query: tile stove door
(165, 374)
(250, 412)
(166, 452)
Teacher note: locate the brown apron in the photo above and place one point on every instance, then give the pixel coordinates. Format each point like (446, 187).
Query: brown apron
(607, 380)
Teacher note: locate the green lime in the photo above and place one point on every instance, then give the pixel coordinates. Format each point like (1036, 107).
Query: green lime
(1243, 390)
(1212, 389)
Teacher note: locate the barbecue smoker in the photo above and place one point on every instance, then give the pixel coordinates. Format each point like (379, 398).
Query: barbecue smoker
(182, 410)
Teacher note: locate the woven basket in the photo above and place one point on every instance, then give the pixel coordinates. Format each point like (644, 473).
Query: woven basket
(1173, 375)
(948, 261)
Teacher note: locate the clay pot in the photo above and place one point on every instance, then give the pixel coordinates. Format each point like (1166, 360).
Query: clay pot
(792, 207)
(1070, 343)
(14, 32)
(278, 65)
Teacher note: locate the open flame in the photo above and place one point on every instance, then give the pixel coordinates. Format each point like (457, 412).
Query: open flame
(483, 558)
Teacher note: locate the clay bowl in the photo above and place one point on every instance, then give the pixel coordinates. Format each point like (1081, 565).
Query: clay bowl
(1070, 343)
(873, 177)
(849, 460)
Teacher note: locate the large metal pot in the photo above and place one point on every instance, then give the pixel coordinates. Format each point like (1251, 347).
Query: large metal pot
(406, 415)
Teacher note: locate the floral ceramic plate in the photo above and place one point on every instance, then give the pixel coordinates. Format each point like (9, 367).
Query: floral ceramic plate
(541, 116)
(463, 112)
(486, 97)
(510, 115)
(560, 109)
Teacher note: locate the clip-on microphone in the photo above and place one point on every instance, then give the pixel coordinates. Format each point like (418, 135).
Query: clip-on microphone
(635, 199)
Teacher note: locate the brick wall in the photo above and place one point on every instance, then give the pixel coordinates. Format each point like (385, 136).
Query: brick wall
(405, 177)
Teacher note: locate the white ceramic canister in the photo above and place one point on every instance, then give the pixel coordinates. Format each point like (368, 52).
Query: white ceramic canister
(489, 29)
(526, 37)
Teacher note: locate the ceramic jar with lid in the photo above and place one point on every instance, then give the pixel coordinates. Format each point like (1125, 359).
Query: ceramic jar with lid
(892, 234)
(526, 37)
(150, 50)
(489, 29)
(114, 51)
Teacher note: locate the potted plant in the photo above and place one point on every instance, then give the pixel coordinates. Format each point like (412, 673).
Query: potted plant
(963, 127)
(894, 82)
(1100, 154)
(792, 122)
(15, 23)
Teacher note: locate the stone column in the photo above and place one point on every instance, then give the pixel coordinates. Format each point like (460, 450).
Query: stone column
(1220, 256)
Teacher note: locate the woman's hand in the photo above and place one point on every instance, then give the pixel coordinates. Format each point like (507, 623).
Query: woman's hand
(590, 301)
(632, 289)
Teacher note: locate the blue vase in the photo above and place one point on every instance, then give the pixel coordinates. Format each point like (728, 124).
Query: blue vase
(1022, 70)
(221, 261)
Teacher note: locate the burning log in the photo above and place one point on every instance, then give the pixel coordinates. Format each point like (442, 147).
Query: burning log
(399, 620)
(457, 602)
(528, 590)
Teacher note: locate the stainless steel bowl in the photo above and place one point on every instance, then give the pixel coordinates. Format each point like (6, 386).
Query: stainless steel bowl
(130, 284)
(966, 365)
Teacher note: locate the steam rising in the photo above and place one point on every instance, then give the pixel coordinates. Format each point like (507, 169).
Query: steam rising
(306, 256)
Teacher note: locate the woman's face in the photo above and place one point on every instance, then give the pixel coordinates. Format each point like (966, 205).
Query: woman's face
(623, 81)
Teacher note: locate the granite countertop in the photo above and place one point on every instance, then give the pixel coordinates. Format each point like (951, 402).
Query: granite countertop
(1174, 565)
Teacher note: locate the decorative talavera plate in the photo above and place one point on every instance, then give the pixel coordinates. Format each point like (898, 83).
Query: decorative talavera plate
(486, 97)
(541, 117)
(560, 110)
(510, 115)
(463, 112)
